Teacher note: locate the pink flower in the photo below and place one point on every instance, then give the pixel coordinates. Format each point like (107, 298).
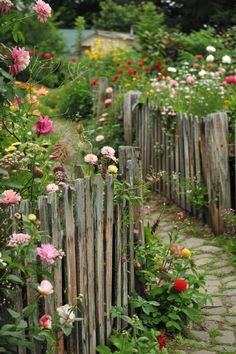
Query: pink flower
(109, 90)
(21, 60)
(10, 197)
(109, 153)
(45, 322)
(73, 59)
(43, 10)
(108, 102)
(52, 187)
(195, 65)
(190, 79)
(199, 56)
(18, 239)
(91, 159)
(99, 138)
(47, 252)
(231, 79)
(45, 288)
(66, 315)
(5, 6)
(43, 126)
(211, 65)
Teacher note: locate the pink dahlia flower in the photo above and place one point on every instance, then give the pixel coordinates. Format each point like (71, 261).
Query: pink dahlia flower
(43, 10)
(43, 126)
(21, 60)
(109, 153)
(52, 187)
(19, 239)
(10, 197)
(5, 6)
(91, 159)
(45, 322)
(47, 252)
(99, 138)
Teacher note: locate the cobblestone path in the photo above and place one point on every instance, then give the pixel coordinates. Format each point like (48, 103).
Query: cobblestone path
(216, 332)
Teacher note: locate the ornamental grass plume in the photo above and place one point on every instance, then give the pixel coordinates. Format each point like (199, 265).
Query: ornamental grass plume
(21, 60)
(10, 197)
(43, 126)
(43, 10)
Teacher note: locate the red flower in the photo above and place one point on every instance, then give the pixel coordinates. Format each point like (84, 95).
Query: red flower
(115, 78)
(30, 52)
(231, 79)
(47, 56)
(130, 72)
(158, 66)
(199, 56)
(141, 63)
(120, 71)
(148, 69)
(73, 59)
(129, 62)
(180, 285)
(135, 72)
(166, 74)
(162, 341)
(94, 82)
(43, 126)
(117, 64)
(160, 77)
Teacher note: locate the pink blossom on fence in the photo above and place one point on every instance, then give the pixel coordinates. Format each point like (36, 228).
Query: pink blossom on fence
(21, 60)
(45, 288)
(47, 252)
(43, 126)
(5, 6)
(66, 315)
(99, 138)
(18, 239)
(10, 197)
(43, 10)
(91, 159)
(45, 322)
(52, 187)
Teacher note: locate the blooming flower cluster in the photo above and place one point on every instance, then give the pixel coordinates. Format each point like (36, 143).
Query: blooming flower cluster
(48, 253)
(19, 239)
(43, 10)
(21, 60)
(10, 197)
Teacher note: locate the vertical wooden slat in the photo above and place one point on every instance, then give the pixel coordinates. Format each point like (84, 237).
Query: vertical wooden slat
(81, 260)
(130, 99)
(90, 265)
(99, 257)
(117, 261)
(101, 94)
(71, 288)
(181, 161)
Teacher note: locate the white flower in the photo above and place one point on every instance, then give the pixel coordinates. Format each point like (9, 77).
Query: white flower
(4, 264)
(226, 59)
(210, 58)
(66, 314)
(171, 69)
(210, 49)
(202, 73)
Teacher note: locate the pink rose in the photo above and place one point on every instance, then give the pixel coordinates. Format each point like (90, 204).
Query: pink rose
(43, 10)
(66, 315)
(10, 197)
(109, 90)
(45, 288)
(43, 126)
(91, 159)
(45, 322)
(47, 252)
(21, 60)
(52, 187)
(108, 102)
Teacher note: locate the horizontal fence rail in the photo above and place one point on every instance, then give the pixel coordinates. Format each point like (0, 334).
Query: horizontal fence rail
(196, 149)
(97, 237)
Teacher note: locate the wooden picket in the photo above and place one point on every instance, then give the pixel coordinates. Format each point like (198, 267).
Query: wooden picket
(198, 150)
(99, 244)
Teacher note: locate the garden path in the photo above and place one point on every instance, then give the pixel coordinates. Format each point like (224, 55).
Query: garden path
(216, 332)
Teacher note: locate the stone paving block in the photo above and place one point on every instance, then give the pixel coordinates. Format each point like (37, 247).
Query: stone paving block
(204, 352)
(213, 283)
(229, 278)
(211, 325)
(230, 292)
(193, 242)
(225, 348)
(227, 337)
(201, 335)
(215, 318)
(232, 309)
(214, 302)
(209, 249)
(231, 319)
(227, 269)
(215, 310)
(231, 284)
(202, 261)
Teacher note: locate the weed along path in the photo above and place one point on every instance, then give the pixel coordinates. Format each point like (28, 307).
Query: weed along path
(215, 332)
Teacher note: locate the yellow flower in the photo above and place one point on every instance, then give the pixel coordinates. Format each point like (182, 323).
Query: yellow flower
(13, 108)
(126, 84)
(186, 253)
(10, 149)
(17, 216)
(16, 144)
(32, 217)
(8, 156)
(226, 104)
(158, 258)
(134, 79)
(112, 169)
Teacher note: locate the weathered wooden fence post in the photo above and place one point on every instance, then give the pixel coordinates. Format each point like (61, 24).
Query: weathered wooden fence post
(130, 99)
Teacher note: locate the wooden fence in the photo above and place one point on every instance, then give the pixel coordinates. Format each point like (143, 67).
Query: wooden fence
(196, 149)
(98, 240)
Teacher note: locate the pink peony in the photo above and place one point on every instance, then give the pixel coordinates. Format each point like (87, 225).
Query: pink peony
(43, 10)
(10, 197)
(99, 138)
(52, 187)
(19, 239)
(43, 126)
(66, 315)
(109, 90)
(108, 102)
(231, 79)
(47, 252)
(45, 322)
(91, 159)
(5, 6)
(45, 288)
(21, 60)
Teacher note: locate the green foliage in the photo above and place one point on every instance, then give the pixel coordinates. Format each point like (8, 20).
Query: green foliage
(80, 26)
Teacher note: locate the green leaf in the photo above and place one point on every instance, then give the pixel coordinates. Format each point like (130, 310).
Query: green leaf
(191, 313)
(22, 325)
(103, 349)
(28, 310)
(173, 316)
(14, 279)
(66, 330)
(13, 313)
(173, 324)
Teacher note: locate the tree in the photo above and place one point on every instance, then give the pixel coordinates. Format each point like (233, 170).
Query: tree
(80, 26)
